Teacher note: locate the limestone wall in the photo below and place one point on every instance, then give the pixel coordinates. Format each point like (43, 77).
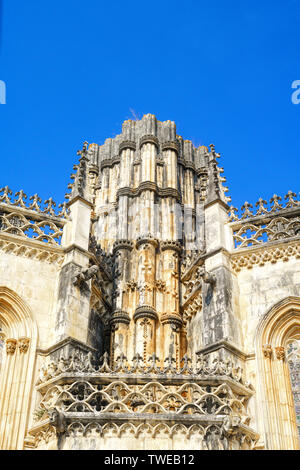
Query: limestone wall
(35, 282)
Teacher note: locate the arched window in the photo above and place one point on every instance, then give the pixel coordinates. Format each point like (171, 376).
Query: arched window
(293, 360)
(18, 339)
(278, 360)
(2, 342)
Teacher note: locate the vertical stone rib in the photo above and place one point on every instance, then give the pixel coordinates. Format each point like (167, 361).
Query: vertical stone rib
(155, 169)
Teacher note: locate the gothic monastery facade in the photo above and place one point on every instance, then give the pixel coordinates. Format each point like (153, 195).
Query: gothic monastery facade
(146, 312)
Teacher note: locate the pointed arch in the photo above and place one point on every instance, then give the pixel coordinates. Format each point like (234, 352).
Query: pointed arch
(16, 314)
(20, 333)
(280, 324)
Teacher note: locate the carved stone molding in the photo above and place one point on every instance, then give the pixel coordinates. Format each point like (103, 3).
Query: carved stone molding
(119, 316)
(33, 249)
(270, 254)
(170, 146)
(170, 245)
(147, 238)
(171, 319)
(127, 144)
(145, 311)
(109, 162)
(149, 186)
(11, 345)
(280, 352)
(267, 350)
(123, 244)
(149, 139)
(23, 344)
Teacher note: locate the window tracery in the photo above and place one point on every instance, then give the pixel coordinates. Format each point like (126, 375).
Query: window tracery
(293, 360)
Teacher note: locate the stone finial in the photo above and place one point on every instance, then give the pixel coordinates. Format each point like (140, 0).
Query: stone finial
(49, 206)
(36, 200)
(267, 350)
(212, 148)
(214, 183)
(79, 187)
(232, 214)
(261, 209)
(83, 153)
(64, 212)
(7, 192)
(247, 212)
(280, 352)
(121, 362)
(291, 201)
(20, 196)
(275, 203)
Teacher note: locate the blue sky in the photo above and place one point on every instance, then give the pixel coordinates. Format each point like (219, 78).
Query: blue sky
(222, 70)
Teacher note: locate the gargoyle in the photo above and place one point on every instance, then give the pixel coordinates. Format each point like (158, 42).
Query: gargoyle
(85, 275)
(57, 420)
(207, 277)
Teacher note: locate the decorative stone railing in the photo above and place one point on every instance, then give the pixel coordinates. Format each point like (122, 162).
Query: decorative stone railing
(266, 225)
(31, 221)
(87, 364)
(208, 399)
(275, 207)
(6, 197)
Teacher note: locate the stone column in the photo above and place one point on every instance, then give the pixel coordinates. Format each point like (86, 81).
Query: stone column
(119, 335)
(145, 318)
(127, 149)
(145, 314)
(121, 318)
(171, 318)
(170, 151)
(148, 146)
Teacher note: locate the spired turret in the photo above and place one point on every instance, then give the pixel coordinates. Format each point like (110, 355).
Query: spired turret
(151, 307)
(148, 187)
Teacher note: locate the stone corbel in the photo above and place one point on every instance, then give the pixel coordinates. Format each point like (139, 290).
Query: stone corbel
(267, 351)
(23, 344)
(280, 352)
(11, 345)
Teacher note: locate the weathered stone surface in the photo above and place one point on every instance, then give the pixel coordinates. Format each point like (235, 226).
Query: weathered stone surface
(145, 312)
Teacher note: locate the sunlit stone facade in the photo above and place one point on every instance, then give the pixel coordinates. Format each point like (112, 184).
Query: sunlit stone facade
(146, 312)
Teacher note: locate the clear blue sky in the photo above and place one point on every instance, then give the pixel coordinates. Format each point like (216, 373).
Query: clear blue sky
(222, 70)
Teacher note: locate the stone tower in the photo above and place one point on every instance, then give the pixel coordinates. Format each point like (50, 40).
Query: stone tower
(154, 316)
